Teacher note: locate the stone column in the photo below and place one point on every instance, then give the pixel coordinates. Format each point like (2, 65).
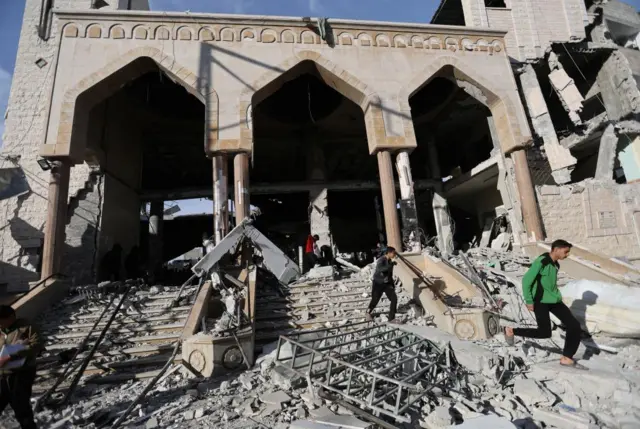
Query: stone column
(408, 203)
(156, 219)
(241, 189)
(443, 224)
(530, 214)
(388, 189)
(54, 235)
(220, 197)
(318, 201)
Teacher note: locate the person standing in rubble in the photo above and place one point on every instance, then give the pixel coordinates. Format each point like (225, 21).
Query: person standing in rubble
(312, 251)
(542, 297)
(16, 377)
(383, 284)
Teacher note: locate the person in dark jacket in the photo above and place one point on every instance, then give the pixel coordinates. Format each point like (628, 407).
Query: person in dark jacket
(16, 381)
(542, 297)
(383, 284)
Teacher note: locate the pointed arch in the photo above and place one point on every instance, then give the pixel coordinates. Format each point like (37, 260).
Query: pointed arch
(499, 95)
(98, 86)
(334, 76)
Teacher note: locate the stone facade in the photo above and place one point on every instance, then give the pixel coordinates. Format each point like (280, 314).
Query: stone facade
(604, 217)
(228, 63)
(531, 25)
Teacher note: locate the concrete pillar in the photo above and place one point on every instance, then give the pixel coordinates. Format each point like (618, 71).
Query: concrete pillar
(530, 214)
(408, 203)
(156, 219)
(318, 201)
(443, 225)
(54, 235)
(389, 203)
(220, 197)
(241, 190)
(607, 154)
(319, 215)
(560, 159)
(434, 164)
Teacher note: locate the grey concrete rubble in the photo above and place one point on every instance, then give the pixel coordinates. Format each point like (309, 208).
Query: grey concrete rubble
(521, 387)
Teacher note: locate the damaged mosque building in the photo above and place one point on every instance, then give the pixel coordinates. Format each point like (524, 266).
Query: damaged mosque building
(515, 116)
(468, 144)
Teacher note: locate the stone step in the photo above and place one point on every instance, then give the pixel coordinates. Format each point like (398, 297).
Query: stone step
(132, 330)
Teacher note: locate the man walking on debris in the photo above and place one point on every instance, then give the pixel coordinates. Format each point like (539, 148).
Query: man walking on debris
(541, 294)
(20, 344)
(383, 284)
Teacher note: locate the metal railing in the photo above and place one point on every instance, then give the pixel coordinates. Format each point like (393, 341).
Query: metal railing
(379, 367)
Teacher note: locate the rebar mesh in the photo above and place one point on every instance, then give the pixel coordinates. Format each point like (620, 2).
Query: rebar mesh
(379, 367)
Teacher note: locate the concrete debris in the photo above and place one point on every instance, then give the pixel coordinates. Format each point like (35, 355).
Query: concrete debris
(520, 387)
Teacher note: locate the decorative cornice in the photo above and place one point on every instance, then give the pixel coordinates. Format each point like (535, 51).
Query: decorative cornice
(245, 29)
(265, 20)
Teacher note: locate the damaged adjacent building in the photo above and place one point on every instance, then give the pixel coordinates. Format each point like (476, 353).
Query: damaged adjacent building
(576, 65)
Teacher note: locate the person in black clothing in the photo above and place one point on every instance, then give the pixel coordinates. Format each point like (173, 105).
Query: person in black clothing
(111, 263)
(16, 380)
(132, 264)
(383, 284)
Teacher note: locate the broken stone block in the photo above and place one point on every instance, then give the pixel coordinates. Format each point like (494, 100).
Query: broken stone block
(198, 413)
(320, 272)
(245, 380)
(321, 412)
(532, 392)
(188, 415)
(152, 423)
(439, 418)
(229, 415)
(485, 422)
(275, 398)
(345, 422)
(565, 418)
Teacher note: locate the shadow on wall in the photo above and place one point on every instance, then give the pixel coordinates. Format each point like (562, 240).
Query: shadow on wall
(24, 268)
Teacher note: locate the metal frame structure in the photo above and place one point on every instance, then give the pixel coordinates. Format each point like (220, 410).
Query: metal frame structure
(379, 367)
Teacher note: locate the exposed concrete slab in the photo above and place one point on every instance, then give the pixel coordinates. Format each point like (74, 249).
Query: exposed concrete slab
(486, 422)
(471, 356)
(607, 154)
(560, 159)
(581, 265)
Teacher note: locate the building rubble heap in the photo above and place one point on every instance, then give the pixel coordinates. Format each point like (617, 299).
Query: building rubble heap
(338, 361)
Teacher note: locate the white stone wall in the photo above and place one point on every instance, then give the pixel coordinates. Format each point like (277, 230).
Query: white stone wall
(604, 217)
(533, 25)
(23, 219)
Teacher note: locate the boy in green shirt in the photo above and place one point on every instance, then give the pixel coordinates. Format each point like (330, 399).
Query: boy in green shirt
(541, 294)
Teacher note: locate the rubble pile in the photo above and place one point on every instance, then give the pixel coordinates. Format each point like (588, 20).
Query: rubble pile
(484, 383)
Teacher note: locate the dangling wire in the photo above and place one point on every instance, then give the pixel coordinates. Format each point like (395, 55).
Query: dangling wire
(309, 103)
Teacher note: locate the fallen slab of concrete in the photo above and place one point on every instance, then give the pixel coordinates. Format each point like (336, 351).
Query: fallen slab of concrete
(471, 356)
(586, 264)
